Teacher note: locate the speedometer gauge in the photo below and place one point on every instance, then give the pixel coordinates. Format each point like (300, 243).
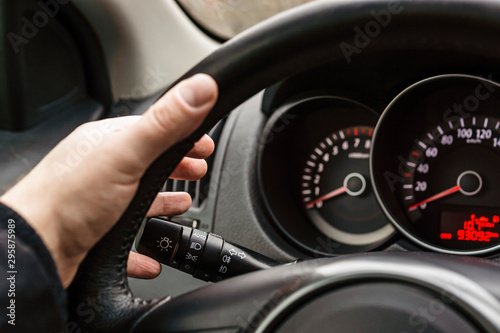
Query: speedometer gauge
(439, 181)
(453, 170)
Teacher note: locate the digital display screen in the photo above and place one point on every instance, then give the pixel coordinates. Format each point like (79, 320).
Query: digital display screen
(470, 227)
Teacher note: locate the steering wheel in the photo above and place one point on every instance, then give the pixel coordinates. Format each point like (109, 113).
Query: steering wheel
(315, 294)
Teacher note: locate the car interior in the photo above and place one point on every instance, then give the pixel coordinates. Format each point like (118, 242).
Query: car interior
(352, 188)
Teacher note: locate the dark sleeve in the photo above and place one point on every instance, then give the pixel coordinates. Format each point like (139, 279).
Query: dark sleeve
(32, 296)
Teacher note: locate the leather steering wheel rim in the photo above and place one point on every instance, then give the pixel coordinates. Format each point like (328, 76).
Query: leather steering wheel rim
(283, 46)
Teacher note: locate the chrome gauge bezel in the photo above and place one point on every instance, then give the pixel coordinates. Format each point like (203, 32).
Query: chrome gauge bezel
(384, 153)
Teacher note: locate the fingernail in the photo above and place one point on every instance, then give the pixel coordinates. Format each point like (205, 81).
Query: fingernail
(197, 90)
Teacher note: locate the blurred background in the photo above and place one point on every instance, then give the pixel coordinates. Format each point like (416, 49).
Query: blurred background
(224, 19)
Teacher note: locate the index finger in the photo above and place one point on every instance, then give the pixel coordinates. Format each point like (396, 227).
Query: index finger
(203, 148)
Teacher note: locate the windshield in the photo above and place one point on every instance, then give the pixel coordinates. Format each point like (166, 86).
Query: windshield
(226, 18)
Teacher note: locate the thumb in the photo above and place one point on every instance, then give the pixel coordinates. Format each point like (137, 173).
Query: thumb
(172, 118)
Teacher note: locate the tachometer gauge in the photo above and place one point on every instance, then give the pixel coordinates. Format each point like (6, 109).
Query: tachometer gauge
(314, 176)
(439, 180)
(336, 188)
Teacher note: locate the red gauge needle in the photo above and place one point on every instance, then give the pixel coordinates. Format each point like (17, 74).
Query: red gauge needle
(327, 196)
(436, 197)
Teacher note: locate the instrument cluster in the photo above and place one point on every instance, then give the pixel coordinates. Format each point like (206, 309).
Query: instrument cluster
(338, 178)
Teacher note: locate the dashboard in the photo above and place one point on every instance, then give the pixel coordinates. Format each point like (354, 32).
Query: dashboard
(350, 158)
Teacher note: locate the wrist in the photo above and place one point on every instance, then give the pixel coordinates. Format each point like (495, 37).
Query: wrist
(45, 225)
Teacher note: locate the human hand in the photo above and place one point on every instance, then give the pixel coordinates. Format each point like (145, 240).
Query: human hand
(81, 188)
